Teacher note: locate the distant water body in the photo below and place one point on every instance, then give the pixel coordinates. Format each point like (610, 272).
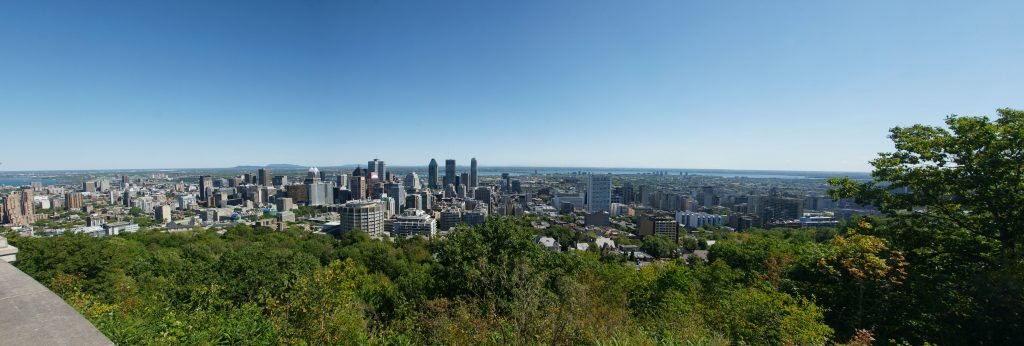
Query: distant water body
(24, 182)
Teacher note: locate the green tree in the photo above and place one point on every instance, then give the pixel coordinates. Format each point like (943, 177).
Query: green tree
(658, 246)
(954, 201)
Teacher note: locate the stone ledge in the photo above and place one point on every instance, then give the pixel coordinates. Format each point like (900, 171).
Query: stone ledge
(30, 314)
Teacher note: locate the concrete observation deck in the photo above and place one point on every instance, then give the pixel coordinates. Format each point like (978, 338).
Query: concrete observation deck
(30, 314)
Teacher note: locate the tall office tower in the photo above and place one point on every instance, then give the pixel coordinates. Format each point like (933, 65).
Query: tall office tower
(426, 200)
(126, 198)
(506, 182)
(412, 181)
(413, 201)
(707, 196)
(342, 181)
(449, 172)
(472, 173)
(313, 176)
(357, 184)
(73, 201)
(377, 166)
(432, 174)
(627, 193)
(482, 194)
(280, 180)
(124, 181)
(263, 175)
(103, 185)
(367, 216)
(162, 213)
(89, 186)
(205, 184)
(317, 193)
(464, 179)
(599, 193)
(396, 191)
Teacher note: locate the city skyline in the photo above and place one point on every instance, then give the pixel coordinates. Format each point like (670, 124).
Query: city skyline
(809, 86)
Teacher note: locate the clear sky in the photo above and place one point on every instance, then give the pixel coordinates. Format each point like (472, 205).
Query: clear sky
(792, 85)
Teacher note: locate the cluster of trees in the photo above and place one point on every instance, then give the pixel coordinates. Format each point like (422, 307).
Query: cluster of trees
(943, 265)
(485, 285)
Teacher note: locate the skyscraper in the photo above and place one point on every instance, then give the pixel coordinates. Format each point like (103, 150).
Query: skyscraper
(449, 172)
(472, 173)
(263, 177)
(357, 185)
(377, 166)
(396, 191)
(412, 181)
(313, 176)
(599, 193)
(205, 184)
(432, 174)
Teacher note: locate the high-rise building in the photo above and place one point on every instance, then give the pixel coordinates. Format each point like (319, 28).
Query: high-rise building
(414, 201)
(103, 185)
(365, 215)
(19, 208)
(162, 213)
(73, 201)
(263, 175)
(89, 186)
(318, 193)
(280, 180)
(599, 193)
(312, 176)
(205, 185)
(342, 181)
(432, 174)
(506, 182)
(357, 184)
(473, 182)
(659, 225)
(377, 166)
(396, 191)
(426, 200)
(449, 172)
(449, 218)
(284, 204)
(412, 182)
(464, 179)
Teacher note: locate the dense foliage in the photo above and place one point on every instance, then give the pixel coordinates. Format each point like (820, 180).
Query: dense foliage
(485, 285)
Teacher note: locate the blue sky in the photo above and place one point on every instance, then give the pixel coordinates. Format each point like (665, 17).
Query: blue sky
(793, 85)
